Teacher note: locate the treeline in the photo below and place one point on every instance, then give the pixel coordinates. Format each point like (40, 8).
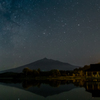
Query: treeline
(55, 72)
(29, 73)
(52, 73)
(82, 68)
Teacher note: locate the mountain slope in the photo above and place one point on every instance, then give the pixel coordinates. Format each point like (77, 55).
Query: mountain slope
(45, 64)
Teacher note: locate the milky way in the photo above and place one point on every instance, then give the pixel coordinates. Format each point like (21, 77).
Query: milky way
(65, 30)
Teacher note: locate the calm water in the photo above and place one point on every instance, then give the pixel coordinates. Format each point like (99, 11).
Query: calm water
(43, 91)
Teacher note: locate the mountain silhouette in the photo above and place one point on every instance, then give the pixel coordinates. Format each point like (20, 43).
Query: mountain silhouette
(44, 65)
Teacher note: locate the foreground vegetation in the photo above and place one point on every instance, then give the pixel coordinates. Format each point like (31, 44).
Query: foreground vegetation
(28, 74)
(43, 75)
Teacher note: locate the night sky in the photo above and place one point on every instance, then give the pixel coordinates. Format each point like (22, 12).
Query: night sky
(64, 30)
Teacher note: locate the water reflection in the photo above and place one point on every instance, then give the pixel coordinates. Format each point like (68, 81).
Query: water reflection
(53, 83)
(47, 88)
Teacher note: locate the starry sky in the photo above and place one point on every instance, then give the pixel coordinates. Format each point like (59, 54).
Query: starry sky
(64, 30)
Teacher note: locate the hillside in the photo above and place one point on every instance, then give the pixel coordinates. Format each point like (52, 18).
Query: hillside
(45, 65)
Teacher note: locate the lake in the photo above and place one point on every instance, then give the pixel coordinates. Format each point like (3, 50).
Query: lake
(54, 90)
